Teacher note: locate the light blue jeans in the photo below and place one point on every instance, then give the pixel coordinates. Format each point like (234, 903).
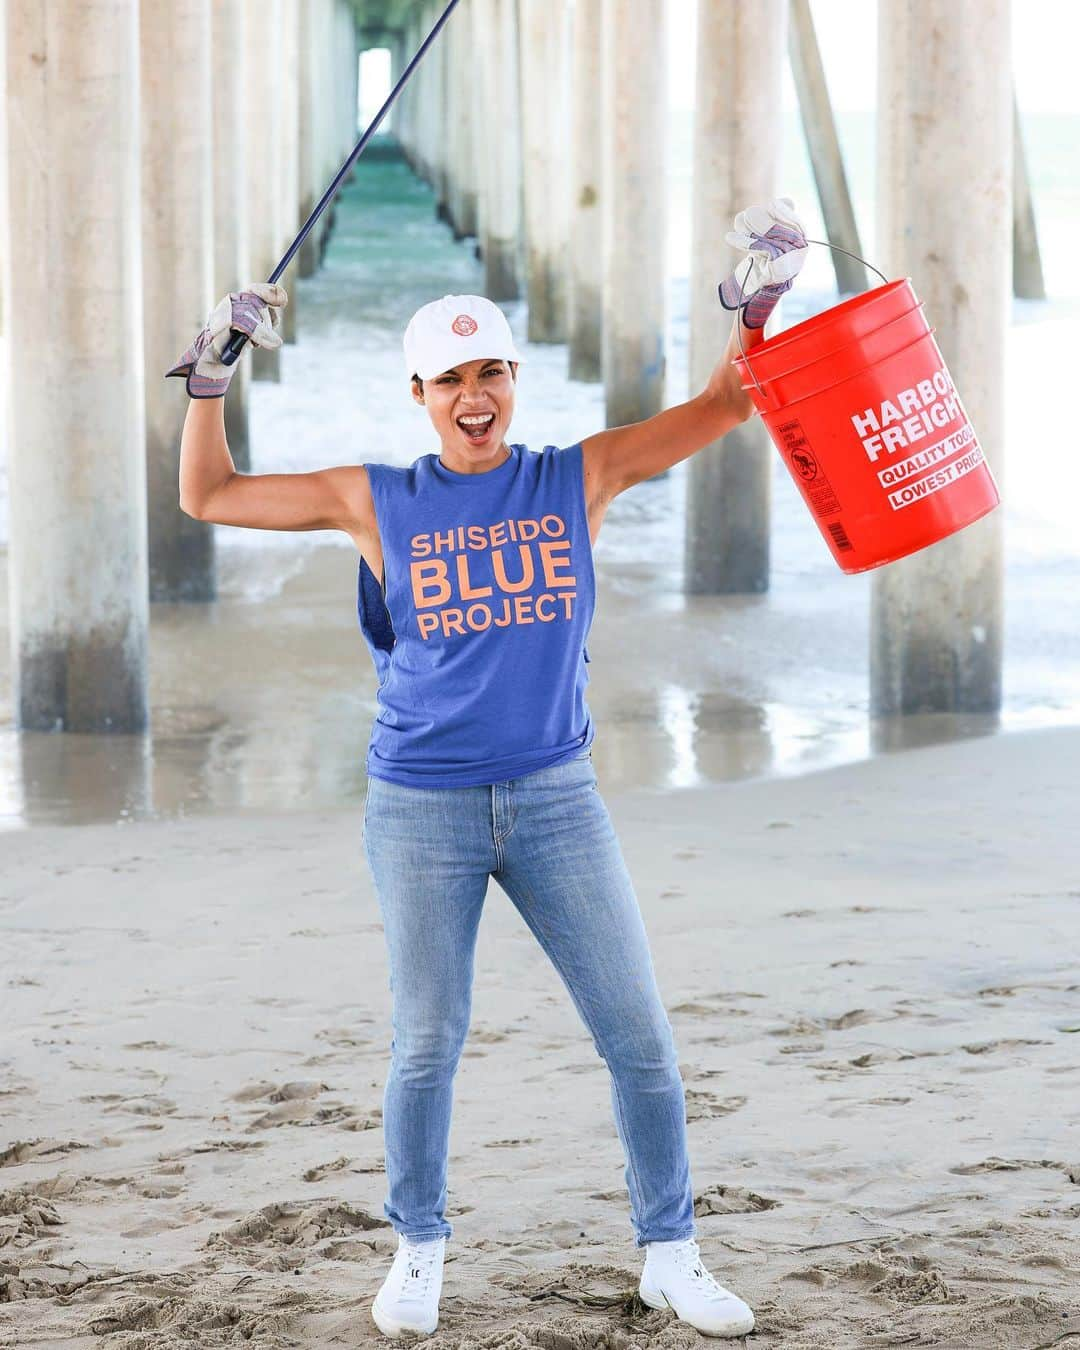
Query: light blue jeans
(548, 840)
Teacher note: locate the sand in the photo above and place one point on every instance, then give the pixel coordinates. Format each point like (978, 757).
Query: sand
(871, 972)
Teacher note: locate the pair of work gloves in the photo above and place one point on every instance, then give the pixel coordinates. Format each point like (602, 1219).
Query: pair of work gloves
(775, 241)
(773, 237)
(255, 311)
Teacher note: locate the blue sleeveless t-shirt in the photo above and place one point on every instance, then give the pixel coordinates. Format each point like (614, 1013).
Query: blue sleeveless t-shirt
(479, 643)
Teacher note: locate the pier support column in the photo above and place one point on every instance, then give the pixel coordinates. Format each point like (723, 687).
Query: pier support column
(737, 137)
(460, 71)
(77, 572)
(497, 46)
(439, 143)
(178, 272)
(264, 19)
(472, 131)
(545, 90)
(945, 116)
(231, 251)
(310, 73)
(289, 158)
(634, 209)
(586, 291)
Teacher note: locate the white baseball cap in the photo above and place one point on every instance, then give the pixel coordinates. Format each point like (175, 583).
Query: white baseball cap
(454, 329)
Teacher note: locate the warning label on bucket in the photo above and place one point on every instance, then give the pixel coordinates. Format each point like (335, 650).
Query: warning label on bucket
(934, 482)
(808, 472)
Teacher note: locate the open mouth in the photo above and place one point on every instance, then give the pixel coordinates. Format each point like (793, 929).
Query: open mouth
(477, 428)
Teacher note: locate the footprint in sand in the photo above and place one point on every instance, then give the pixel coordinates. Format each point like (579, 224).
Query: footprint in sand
(293, 1103)
(317, 1173)
(731, 1200)
(344, 1038)
(173, 1316)
(717, 1004)
(24, 1217)
(904, 1279)
(31, 1150)
(707, 1106)
(288, 1227)
(213, 1146)
(303, 1113)
(990, 1047)
(598, 1286)
(996, 1164)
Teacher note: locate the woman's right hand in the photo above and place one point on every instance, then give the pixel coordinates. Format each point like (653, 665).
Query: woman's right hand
(255, 311)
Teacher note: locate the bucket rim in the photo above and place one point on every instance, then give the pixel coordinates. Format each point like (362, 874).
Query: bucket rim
(765, 380)
(782, 408)
(817, 322)
(806, 359)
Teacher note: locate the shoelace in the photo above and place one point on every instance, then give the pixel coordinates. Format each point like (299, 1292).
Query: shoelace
(688, 1261)
(420, 1268)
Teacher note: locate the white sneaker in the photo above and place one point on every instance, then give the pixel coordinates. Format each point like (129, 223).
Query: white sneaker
(675, 1277)
(409, 1298)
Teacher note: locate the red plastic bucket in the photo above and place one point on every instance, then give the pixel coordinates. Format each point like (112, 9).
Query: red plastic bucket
(861, 406)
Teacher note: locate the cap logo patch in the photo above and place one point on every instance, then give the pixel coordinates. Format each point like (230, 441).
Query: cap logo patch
(464, 325)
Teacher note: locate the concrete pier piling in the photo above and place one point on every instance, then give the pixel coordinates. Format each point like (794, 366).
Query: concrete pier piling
(586, 165)
(232, 252)
(740, 62)
(945, 115)
(77, 535)
(177, 274)
(634, 212)
(545, 102)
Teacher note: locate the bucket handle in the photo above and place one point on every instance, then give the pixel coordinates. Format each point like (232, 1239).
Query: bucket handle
(738, 319)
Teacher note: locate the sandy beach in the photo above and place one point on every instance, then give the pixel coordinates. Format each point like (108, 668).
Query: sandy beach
(871, 972)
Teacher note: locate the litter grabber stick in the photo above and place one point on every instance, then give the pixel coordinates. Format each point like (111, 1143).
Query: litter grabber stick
(235, 345)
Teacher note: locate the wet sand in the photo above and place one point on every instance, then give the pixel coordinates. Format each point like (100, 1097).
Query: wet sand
(871, 973)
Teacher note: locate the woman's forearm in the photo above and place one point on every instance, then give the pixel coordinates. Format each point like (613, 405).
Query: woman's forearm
(724, 383)
(205, 461)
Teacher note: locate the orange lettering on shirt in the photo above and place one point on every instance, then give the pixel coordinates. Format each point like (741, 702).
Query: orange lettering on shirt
(498, 566)
(428, 576)
(553, 567)
(465, 587)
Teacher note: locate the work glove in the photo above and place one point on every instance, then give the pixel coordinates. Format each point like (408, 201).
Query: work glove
(255, 311)
(775, 239)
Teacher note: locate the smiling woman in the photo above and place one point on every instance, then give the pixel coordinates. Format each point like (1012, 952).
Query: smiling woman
(463, 361)
(479, 763)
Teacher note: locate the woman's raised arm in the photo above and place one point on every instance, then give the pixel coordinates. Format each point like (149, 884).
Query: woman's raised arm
(212, 490)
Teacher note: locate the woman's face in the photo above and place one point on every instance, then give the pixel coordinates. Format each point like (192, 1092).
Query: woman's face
(473, 390)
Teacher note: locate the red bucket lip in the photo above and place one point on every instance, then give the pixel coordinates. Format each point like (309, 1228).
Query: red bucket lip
(818, 323)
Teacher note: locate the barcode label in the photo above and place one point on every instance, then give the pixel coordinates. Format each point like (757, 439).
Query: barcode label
(840, 539)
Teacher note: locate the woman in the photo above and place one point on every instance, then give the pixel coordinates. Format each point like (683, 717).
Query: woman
(480, 760)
